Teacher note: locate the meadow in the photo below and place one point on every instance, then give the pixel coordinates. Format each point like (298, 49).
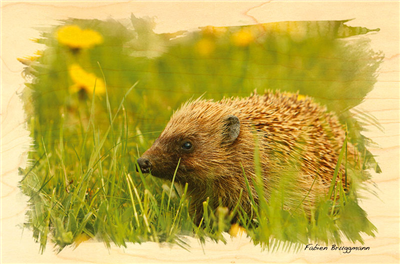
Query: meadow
(100, 92)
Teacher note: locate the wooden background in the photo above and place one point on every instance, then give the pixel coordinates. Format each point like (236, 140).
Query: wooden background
(19, 21)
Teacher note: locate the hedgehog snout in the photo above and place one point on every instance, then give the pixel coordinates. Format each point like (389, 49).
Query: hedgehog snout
(144, 164)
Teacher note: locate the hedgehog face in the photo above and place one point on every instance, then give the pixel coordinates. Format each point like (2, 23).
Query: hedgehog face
(163, 157)
(198, 146)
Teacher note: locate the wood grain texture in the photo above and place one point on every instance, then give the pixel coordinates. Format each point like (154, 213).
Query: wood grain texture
(18, 23)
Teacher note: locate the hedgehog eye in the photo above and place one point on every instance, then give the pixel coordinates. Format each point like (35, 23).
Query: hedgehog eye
(187, 146)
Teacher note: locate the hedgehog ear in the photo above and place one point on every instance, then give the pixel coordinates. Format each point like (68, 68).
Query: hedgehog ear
(231, 129)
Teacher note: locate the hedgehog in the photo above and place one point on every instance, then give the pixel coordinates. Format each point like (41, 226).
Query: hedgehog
(213, 147)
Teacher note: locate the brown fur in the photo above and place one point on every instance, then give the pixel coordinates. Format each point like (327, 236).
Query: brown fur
(292, 133)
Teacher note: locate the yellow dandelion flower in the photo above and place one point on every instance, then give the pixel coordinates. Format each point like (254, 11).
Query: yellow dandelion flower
(205, 47)
(242, 38)
(85, 81)
(301, 97)
(237, 231)
(76, 38)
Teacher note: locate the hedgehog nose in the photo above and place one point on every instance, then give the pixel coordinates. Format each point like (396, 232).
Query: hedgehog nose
(144, 165)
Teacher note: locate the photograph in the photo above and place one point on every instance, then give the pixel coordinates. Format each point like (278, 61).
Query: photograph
(200, 132)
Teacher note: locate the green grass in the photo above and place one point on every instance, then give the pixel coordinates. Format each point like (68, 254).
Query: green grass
(83, 182)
